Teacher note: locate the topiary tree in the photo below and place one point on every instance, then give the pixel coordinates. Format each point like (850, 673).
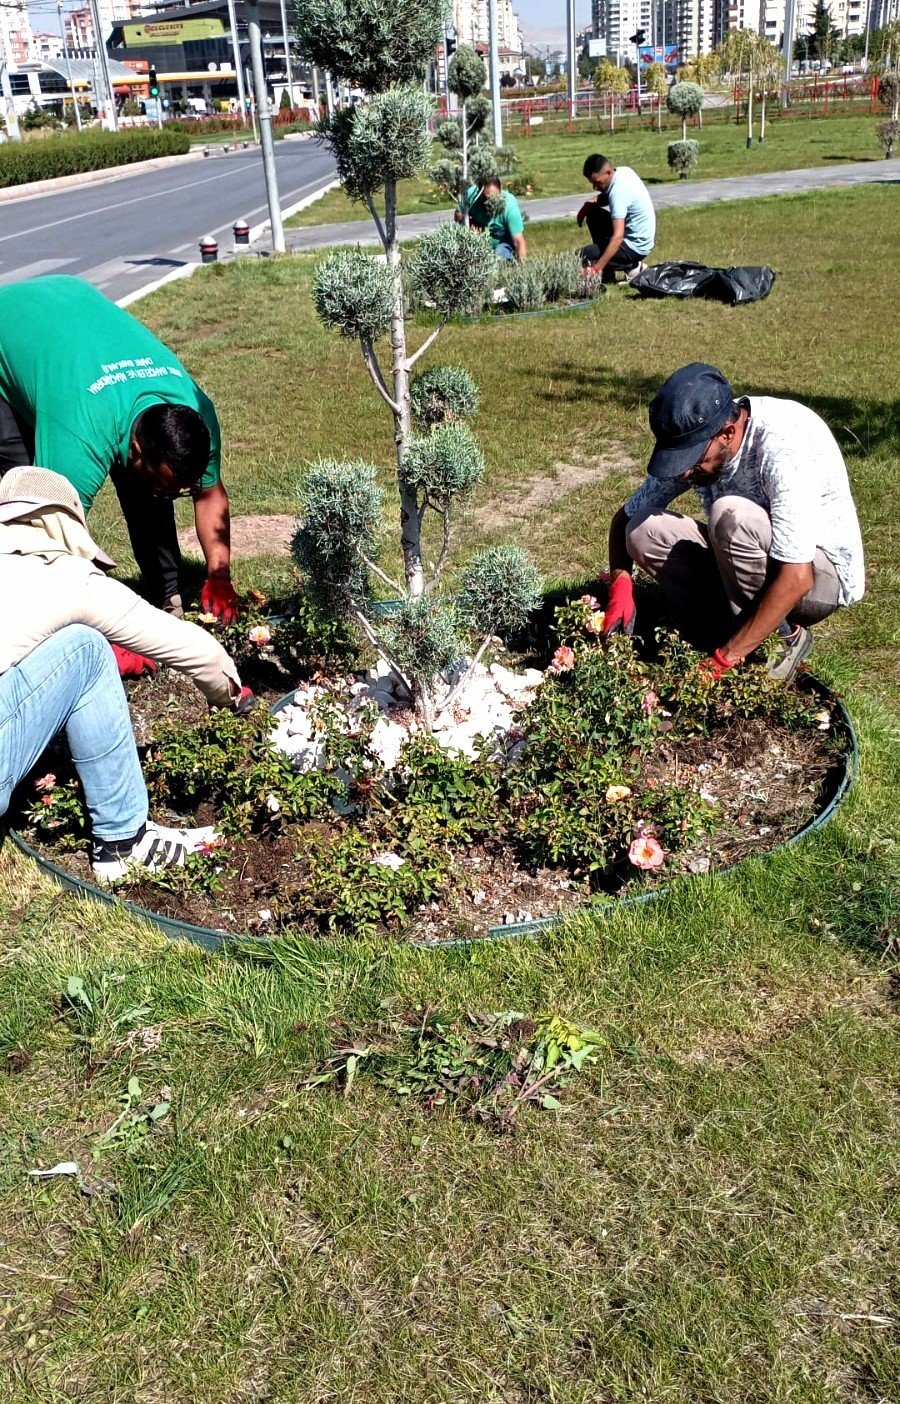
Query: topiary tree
(384, 45)
(656, 80)
(466, 77)
(683, 157)
(888, 134)
(611, 82)
(685, 100)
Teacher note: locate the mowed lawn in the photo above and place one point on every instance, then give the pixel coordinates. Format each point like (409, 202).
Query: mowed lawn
(713, 1216)
(552, 158)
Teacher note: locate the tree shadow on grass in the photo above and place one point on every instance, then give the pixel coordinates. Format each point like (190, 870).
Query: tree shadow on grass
(863, 427)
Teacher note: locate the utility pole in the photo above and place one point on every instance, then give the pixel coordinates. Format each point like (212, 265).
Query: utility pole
(238, 66)
(266, 141)
(868, 28)
(12, 121)
(570, 45)
(103, 56)
(494, 45)
(787, 52)
(287, 55)
(62, 30)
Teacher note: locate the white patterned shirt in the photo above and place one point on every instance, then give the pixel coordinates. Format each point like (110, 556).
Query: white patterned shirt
(789, 464)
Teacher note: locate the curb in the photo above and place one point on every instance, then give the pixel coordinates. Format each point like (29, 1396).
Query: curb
(259, 229)
(216, 941)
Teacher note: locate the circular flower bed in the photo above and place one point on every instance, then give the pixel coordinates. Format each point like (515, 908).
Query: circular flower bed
(603, 772)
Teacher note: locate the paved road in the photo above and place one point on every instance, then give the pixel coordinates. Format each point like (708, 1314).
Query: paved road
(124, 233)
(665, 196)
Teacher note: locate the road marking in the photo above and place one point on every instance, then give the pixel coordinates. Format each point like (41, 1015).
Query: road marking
(34, 270)
(121, 204)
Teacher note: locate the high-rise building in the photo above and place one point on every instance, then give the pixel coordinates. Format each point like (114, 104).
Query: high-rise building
(470, 20)
(16, 36)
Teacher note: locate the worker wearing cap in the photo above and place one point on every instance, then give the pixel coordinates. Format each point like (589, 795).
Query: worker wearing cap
(88, 391)
(780, 549)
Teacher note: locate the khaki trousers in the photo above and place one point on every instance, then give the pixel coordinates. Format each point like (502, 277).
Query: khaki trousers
(713, 576)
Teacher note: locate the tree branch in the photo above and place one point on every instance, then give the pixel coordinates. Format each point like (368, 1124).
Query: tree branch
(445, 547)
(370, 206)
(374, 370)
(454, 693)
(380, 647)
(376, 570)
(411, 360)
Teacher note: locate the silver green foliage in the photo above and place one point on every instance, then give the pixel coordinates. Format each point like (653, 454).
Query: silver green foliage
(478, 110)
(424, 639)
(354, 294)
(563, 277)
(466, 75)
(484, 164)
(442, 394)
(888, 134)
(444, 463)
(499, 590)
(685, 99)
(682, 156)
(524, 284)
(449, 134)
(381, 141)
(340, 507)
(368, 42)
(453, 267)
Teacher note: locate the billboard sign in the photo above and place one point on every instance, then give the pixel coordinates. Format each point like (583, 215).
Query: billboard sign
(173, 31)
(596, 48)
(659, 53)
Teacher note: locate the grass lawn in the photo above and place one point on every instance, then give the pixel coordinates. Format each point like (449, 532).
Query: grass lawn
(713, 1216)
(553, 159)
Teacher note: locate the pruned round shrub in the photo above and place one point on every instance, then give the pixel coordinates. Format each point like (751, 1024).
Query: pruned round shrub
(443, 393)
(499, 590)
(466, 75)
(340, 506)
(454, 268)
(383, 140)
(685, 99)
(888, 134)
(444, 463)
(683, 157)
(478, 110)
(400, 39)
(483, 165)
(424, 638)
(354, 294)
(446, 175)
(449, 134)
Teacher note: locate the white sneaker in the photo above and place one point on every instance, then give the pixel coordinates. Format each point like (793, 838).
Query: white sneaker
(155, 848)
(634, 272)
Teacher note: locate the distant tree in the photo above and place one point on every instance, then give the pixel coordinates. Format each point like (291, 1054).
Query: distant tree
(682, 157)
(466, 78)
(656, 80)
(741, 53)
(685, 100)
(610, 83)
(823, 36)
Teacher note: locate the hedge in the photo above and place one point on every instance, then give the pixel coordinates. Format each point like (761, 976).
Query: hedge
(25, 161)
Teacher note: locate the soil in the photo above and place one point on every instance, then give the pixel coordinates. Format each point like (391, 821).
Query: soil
(542, 490)
(765, 782)
(250, 536)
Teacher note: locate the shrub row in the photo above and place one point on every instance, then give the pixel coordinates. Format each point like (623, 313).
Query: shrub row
(23, 162)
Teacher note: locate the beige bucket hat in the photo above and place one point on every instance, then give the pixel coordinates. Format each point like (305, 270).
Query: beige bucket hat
(26, 493)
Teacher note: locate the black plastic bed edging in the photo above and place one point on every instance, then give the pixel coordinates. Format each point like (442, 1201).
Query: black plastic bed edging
(212, 940)
(552, 309)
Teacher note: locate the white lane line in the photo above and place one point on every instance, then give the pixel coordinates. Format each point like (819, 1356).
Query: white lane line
(35, 270)
(121, 204)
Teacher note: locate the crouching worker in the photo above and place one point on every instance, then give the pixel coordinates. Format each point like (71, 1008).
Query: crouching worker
(70, 683)
(780, 549)
(497, 211)
(52, 574)
(621, 221)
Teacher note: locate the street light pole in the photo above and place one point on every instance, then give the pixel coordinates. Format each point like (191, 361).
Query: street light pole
(62, 30)
(12, 121)
(287, 54)
(238, 66)
(570, 46)
(787, 52)
(266, 141)
(103, 56)
(494, 44)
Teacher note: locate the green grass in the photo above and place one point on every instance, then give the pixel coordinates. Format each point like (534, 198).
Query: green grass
(713, 1217)
(553, 159)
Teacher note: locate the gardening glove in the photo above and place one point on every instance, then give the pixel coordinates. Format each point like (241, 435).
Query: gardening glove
(620, 611)
(220, 598)
(132, 665)
(714, 667)
(245, 703)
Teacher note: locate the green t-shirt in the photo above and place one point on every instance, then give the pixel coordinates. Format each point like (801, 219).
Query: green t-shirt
(80, 370)
(503, 226)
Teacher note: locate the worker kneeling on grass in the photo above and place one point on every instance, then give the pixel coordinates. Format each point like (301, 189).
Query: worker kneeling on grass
(780, 549)
(87, 390)
(621, 221)
(497, 211)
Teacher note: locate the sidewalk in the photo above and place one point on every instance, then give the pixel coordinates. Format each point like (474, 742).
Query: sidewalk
(678, 193)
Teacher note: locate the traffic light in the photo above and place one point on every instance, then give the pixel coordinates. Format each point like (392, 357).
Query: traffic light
(449, 46)
(639, 37)
(154, 83)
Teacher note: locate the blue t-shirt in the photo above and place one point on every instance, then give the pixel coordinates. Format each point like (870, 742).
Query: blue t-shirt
(630, 200)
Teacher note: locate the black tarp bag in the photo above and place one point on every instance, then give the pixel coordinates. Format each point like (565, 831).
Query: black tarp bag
(729, 285)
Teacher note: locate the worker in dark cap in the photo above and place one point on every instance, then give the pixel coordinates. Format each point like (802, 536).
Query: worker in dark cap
(780, 548)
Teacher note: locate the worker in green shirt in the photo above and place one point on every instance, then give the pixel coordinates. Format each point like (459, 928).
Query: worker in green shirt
(496, 210)
(87, 390)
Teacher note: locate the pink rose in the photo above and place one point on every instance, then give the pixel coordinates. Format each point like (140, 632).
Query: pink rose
(563, 660)
(649, 704)
(48, 800)
(46, 782)
(589, 601)
(260, 635)
(645, 852)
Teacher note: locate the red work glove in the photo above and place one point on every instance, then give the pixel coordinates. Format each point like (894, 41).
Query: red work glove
(620, 610)
(132, 665)
(715, 666)
(220, 598)
(245, 703)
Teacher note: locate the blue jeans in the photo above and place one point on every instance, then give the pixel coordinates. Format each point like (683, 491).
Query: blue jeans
(71, 683)
(506, 252)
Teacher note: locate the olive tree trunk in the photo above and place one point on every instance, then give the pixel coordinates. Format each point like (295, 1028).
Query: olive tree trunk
(410, 526)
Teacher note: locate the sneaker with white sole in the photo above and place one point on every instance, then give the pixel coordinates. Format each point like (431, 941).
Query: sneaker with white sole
(634, 272)
(154, 848)
(794, 645)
